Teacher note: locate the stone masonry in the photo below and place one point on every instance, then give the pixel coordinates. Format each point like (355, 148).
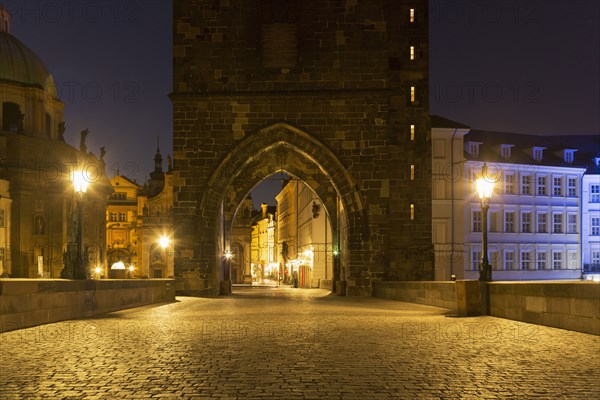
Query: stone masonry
(324, 90)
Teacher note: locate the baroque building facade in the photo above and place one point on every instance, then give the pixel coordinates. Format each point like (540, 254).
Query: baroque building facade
(541, 215)
(332, 93)
(39, 168)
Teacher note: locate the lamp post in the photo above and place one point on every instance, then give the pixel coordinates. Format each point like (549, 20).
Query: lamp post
(228, 256)
(80, 185)
(485, 188)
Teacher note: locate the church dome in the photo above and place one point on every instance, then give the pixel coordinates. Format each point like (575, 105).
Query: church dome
(20, 65)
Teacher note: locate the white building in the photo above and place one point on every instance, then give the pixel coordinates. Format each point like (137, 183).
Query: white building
(537, 217)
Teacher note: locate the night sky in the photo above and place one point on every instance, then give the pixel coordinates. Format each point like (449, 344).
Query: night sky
(514, 66)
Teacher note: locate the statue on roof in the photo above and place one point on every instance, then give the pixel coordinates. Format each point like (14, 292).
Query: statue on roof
(102, 153)
(82, 146)
(61, 131)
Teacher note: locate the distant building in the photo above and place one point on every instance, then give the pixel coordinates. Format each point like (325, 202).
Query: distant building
(241, 243)
(539, 211)
(139, 226)
(39, 166)
(264, 259)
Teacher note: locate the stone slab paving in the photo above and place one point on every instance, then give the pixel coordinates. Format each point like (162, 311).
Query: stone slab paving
(296, 344)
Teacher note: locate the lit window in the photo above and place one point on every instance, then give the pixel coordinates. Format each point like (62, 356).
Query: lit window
(541, 186)
(114, 216)
(412, 52)
(505, 151)
(557, 260)
(594, 193)
(412, 212)
(572, 187)
(509, 260)
(475, 260)
(557, 186)
(541, 259)
(412, 172)
(412, 132)
(509, 222)
(595, 226)
(525, 260)
(2, 216)
(569, 156)
(526, 222)
(476, 221)
(509, 183)
(542, 223)
(538, 153)
(412, 15)
(572, 223)
(526, 184)
(557, 222)
(122, 217)
(412, 94)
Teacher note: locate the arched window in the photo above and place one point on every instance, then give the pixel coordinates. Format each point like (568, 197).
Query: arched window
(11, 117)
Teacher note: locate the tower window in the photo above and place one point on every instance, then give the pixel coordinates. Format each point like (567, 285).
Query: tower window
(412, 94)
(412, 212)
(412, 52)
(412, 15)
(412, 132)
(412, 172)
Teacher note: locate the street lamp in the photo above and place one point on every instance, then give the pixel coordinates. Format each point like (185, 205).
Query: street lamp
(485, 187)
(164, 241)
(80, 185)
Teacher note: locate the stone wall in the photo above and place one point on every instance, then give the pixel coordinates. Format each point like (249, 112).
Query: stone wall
(438, 294)
(568, 305)
(31, 302)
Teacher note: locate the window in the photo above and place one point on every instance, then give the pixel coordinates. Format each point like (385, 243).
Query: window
(509, 259)
(542, 223)
(412, 132)
(557, 221)
(595, 226)
(2, 216)
(569, 156)
(572, 187)
(525, 260)
(412, 52)
(596, 258)
(113, 216)
(412, 172)
(526, 222)
(541, 186)
(557, 186)
(476, 221)
(572, 260)
(475, 259)
(509, 183)
(474, 149)
(526, 184)
(572, 223)
(595, 193)
(557, 259)
(412, 15)
(122, 217)
(119, 196)
(509, 221)
(412, 212)
(505, 151)
(541, 259)
(538, 153)
(412, 94)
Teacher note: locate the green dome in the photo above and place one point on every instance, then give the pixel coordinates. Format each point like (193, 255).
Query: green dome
(20, 65)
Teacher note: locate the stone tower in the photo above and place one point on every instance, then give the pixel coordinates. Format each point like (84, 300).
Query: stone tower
(335, 93)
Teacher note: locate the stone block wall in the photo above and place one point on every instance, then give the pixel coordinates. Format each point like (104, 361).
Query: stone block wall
(438, 294)
(25, 303)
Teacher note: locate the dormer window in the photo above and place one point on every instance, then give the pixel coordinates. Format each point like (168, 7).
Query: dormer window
(505, 151)
(473, 149)
(569, 156)
(538, 153)
(597, 161)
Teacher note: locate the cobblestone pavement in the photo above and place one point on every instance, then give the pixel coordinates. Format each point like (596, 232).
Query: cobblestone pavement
(297, 344)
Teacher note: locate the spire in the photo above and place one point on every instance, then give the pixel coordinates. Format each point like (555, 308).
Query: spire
(157, 157)
(4, 19)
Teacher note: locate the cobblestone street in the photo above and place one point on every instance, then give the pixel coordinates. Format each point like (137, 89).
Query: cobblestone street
(297, 344)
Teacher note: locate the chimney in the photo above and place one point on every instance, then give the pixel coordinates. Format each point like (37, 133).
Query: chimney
(264, 206)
